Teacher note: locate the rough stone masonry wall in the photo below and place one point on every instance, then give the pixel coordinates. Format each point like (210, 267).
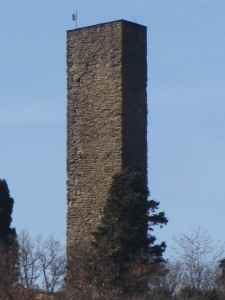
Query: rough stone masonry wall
(98, 127)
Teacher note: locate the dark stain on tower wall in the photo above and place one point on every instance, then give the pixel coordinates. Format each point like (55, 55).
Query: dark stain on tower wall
(106, 117)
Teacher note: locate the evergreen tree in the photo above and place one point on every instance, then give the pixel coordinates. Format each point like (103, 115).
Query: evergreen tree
(6, 208)
(8, 243)
(125, 237)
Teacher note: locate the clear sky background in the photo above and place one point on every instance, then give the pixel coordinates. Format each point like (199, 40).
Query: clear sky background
(186, 102)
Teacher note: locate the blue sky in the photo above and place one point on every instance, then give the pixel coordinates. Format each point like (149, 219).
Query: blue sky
(186, 98)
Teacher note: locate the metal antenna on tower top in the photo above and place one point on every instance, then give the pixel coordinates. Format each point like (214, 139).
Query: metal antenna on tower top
(74, 17)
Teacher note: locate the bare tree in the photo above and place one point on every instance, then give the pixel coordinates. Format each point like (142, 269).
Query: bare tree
(52, 263)
(28, 265)
(165, 282)
(41, 263)
(199, 257)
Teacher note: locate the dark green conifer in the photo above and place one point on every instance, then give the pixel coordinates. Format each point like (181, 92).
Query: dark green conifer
(8, 243)
(125, 237)
(6, 208)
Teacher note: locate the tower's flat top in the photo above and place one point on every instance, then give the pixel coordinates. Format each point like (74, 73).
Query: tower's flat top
(106, 23)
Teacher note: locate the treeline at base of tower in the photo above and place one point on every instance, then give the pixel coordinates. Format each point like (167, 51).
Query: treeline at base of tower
(123, 262)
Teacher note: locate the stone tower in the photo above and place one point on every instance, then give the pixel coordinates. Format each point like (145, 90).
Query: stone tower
(106, 117)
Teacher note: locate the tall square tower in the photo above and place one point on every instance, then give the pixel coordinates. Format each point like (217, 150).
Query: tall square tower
(106, 117)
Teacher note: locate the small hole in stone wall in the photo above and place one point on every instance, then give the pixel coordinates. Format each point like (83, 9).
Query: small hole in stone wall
(78, 80)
